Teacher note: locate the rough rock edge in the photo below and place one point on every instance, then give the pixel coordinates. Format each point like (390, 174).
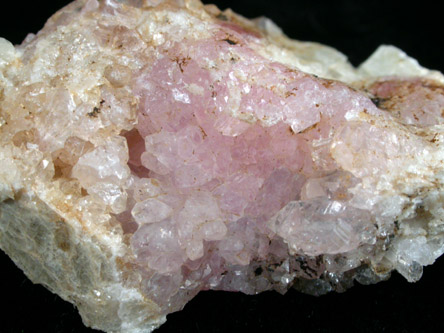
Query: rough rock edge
(32, 232)
(74, 265)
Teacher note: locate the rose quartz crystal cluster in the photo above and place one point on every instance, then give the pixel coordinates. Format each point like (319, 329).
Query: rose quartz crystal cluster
(154, 149)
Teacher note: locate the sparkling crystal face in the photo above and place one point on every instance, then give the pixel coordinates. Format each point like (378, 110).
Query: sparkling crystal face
(204, 155)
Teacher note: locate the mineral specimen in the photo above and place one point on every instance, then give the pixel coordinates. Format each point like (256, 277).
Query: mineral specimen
(153, 149)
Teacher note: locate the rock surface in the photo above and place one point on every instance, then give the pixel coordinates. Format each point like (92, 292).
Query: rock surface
(153, 149)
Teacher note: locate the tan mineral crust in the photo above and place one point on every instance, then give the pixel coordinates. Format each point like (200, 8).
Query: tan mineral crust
(152, 149)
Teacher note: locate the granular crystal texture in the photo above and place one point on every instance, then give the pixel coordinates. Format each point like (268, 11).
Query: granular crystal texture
(154, 149)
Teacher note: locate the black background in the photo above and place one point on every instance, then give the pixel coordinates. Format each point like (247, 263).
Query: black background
(356, 28)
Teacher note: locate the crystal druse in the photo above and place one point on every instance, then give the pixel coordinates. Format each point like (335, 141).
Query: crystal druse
(152, 149)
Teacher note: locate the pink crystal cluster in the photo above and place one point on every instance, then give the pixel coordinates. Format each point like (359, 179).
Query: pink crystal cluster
(227, 139)
(212, 174)
(223, 167)
(233, 170)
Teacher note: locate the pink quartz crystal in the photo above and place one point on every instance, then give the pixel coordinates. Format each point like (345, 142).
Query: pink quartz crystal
(227, 135)
(180, 141)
